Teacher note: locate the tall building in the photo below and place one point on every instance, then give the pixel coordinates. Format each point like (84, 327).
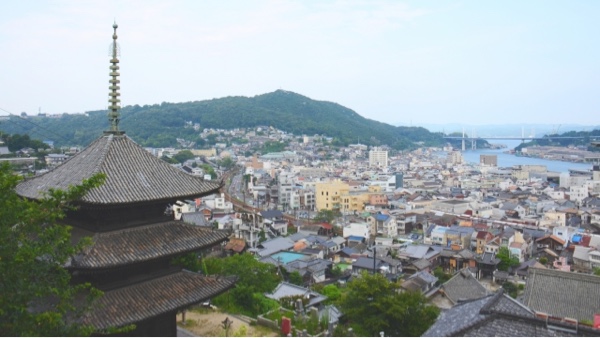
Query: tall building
(378, 158)
(454, 157)
(133, 239)
(489, 160)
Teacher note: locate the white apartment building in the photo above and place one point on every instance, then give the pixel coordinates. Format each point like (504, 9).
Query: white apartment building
(378, 158)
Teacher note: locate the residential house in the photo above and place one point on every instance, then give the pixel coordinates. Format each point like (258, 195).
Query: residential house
(481, 239)
(551, 242)
(455, 260)
(487, 263)
(287, 290)
(463, 286)
(372, 265)
(312, 270)
(421, 281)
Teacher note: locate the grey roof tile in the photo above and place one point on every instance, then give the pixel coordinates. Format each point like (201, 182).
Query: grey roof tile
(463, 286)
(144, 243)
(133, 175)
(134, 303)
(563, 294)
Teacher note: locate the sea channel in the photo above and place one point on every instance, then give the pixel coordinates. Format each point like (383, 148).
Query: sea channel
(508, 160)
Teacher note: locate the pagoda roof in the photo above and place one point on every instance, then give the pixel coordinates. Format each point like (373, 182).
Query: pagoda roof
(138, 302)
(143, 243)
(133, 175)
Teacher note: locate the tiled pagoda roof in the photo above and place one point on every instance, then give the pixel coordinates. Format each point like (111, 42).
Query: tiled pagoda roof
(133, 175)
(145, 243)
(138, 302)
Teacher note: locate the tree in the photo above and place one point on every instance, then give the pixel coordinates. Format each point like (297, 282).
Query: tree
(36, 295)
(227, 163)
(332, 292)
(296, 278)
(328, 216)
(441, 275)
(254, 279)
(372, 304)
(507, 259)
(596, 271)
(183, 156)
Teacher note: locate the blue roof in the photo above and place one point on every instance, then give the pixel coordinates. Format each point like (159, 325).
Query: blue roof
(576, 238)
(348, 251)
(356, 238)
(381, 217)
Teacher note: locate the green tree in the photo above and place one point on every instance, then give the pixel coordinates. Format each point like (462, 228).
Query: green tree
(209, 170)
(441, 275)
(332, 292)
(36, 295)
(169, 159)
(507, 260)
(596, 271)
(254, 279)
(372, 304)
(325, 215)
(183, 156)
(296, 278)
(227, 162)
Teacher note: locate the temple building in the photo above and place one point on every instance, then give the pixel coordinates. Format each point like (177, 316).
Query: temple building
(134, 238)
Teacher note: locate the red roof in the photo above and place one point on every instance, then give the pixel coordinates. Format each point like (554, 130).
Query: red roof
(327, 226)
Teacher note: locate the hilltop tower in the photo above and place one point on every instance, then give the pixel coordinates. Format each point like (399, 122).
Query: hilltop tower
(134, 240)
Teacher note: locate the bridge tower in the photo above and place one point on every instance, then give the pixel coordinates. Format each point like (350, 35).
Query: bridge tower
(473, 141)
(463, 141)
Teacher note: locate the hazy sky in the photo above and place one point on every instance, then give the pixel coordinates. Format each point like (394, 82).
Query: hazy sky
(400, 62)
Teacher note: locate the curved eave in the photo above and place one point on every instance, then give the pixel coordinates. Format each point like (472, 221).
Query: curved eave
(121, 248)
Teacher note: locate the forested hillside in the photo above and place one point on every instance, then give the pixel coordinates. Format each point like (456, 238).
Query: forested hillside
(160, 125)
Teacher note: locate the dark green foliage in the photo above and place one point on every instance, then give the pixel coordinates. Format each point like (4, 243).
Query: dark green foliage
(169, 159)
(17, 142)
(183, 156)
(160, 125)
(33, 248)
(209, 171)
(507, 260)
(372, 304)
(254, 279)
(441, 275)
(327, 216)
(273, 147)
(510, 288)
(332, 292)
(548, 140)
(296, 278)
(188, 261)
(226, 163)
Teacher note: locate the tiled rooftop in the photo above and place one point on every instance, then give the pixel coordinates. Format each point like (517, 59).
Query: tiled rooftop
(149, 299)
(132, 175)
(140, 244)
(563, 294)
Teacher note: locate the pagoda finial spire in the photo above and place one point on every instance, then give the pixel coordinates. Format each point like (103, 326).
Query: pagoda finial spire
(113, 94)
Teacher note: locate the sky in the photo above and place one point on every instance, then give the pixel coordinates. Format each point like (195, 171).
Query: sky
(400, 62)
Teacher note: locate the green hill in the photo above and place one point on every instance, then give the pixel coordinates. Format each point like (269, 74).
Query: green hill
(160, 125)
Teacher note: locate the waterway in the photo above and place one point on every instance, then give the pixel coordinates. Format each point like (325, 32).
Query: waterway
(509, 160)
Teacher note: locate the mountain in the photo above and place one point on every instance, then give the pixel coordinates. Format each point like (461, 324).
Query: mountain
(160, 125)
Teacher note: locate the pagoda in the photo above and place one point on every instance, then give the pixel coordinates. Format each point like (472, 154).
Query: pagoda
(134, 238)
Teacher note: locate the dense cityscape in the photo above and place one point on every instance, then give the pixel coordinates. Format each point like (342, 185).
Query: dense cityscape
(257, 231)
